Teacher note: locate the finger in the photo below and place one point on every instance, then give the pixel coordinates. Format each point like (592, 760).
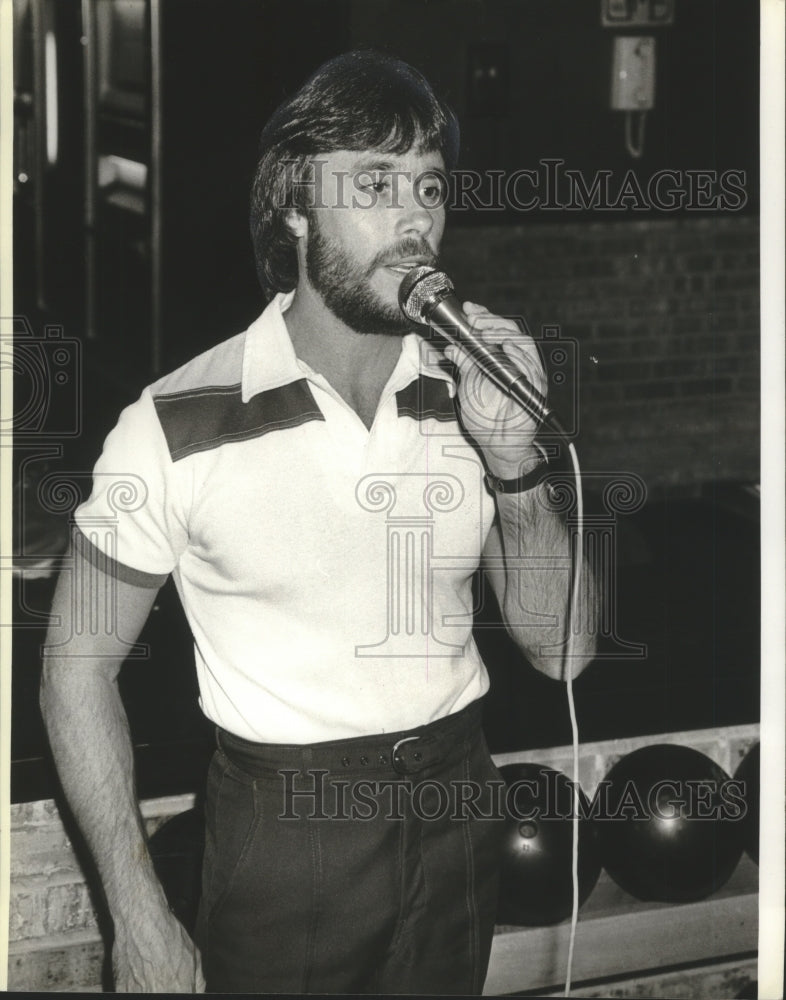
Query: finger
(455, 355)
(482, 319)
(521, 348)
(451, 351)
(526, 355)
(489, 321)
(468, 370)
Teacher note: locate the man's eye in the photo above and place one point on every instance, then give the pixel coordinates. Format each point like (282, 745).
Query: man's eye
(431, 192)
(379, 185)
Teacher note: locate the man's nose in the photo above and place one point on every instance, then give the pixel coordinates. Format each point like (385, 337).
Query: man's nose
(414, 220)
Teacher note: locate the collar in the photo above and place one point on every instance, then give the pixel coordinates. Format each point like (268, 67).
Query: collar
(269, 359)
(423, 357)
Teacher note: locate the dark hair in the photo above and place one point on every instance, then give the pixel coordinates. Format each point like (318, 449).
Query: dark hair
(360, 100)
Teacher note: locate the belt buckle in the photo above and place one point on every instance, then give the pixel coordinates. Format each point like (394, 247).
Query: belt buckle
(399, 763)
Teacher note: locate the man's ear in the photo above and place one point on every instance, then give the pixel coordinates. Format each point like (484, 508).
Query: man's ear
(296, 223)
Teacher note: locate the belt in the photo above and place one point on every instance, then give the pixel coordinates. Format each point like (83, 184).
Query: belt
(406, 752)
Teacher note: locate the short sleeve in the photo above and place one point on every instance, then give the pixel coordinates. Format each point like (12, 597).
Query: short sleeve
(135, 515)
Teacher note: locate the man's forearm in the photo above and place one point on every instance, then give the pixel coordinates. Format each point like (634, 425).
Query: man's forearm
(91, 745)
(538, 583)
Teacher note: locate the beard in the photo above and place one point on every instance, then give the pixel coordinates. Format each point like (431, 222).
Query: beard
(343, 283)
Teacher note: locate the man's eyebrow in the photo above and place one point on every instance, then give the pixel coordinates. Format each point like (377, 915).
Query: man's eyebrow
(374, 164)
(371, 164)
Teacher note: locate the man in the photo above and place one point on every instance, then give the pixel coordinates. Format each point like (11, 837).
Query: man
(317, 487)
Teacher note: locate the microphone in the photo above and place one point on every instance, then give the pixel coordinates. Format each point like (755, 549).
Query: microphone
(427, 296)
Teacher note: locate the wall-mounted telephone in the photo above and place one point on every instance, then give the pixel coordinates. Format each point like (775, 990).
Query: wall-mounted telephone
(633, 73)
(633, 85)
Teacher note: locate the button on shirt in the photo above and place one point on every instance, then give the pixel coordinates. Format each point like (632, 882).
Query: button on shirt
(325, 568)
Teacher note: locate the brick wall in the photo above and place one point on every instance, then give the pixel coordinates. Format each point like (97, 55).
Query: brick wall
(54, 938)
(665, 314)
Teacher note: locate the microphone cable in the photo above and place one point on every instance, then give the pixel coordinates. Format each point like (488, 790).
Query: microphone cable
(573, 624)
(573, 619)
(427, 296)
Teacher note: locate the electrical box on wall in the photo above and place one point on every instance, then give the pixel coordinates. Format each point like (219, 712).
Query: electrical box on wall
(633, 73)
(636, 13)
(488, 78)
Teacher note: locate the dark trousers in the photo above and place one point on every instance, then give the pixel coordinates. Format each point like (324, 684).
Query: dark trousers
(366, 865)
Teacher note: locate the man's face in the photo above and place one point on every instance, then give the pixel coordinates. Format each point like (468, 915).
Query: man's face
(376, 216)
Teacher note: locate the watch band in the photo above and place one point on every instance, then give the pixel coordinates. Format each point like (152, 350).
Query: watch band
(526, 482)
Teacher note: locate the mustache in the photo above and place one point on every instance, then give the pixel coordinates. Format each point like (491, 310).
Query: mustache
(408, 247)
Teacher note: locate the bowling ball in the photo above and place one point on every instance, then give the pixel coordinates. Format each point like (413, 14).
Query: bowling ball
(176, 848)
(749, 773)
(536, 885)
(668, 826)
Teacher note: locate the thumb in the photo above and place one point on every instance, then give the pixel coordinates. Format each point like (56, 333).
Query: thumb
(452, 352)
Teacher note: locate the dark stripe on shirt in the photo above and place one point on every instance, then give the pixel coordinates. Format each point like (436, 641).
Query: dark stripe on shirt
(201, 419)
(117, 570)
(426, 397)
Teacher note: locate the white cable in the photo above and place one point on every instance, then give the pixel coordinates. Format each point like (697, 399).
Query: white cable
(574, 619)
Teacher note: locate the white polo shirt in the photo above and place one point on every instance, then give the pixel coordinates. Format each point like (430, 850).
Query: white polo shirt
(325, 568)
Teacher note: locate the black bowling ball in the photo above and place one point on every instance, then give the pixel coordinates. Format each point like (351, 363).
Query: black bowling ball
(536, 885)
(669, 824)
(177, 848)
(749, 772)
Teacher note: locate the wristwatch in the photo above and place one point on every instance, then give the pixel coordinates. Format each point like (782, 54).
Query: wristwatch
(526, 482)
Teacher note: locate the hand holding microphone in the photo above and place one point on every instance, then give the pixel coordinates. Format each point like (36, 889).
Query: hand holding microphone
(426, 296)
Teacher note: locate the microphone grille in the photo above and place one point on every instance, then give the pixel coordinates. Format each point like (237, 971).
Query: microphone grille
(422, 288)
